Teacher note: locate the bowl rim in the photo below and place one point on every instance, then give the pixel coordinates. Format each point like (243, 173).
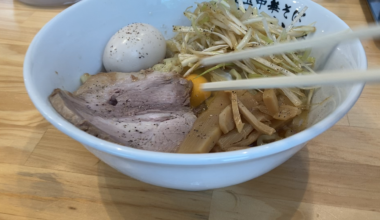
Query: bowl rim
(186, 159)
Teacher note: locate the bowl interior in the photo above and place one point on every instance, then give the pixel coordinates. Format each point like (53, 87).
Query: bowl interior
(72, 44)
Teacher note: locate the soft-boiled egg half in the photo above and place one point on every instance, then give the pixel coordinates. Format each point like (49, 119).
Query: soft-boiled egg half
(133, 48)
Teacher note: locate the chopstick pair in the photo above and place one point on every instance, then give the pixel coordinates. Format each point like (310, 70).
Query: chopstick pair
(306, 80)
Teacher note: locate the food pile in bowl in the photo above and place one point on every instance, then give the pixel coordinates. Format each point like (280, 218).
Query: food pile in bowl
(150, 98)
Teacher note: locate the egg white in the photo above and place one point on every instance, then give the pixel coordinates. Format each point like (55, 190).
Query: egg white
(133, 48)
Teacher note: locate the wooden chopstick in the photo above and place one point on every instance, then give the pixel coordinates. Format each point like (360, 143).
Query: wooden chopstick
(328, 40)
(324, 78)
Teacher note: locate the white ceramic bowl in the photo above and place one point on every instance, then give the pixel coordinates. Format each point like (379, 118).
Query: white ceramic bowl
(72, 44)
(49, 3)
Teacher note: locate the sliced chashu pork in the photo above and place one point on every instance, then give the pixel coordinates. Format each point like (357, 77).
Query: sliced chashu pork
(146, 110)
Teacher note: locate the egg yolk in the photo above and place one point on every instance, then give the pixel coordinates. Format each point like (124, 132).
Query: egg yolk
(197, 94)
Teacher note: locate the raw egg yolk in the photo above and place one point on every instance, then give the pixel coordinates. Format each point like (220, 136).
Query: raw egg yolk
(197, 94)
